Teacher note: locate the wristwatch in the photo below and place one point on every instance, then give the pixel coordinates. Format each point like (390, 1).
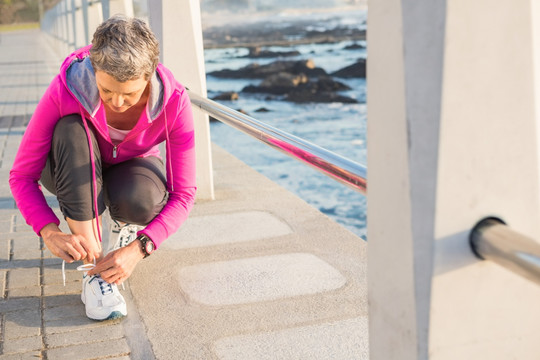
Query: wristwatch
(147, 245)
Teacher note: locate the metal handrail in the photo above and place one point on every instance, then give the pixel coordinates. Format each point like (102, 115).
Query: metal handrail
(491, 239)
(331, 164)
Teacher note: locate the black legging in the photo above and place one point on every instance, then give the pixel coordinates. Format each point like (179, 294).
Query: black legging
(135, 190)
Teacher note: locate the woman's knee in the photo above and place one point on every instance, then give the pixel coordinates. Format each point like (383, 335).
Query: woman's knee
(135, 191)
(137, 207)
(69, 125)
(69, 132)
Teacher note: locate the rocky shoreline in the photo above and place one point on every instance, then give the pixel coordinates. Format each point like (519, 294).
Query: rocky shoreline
(265, 35)
(298, 81)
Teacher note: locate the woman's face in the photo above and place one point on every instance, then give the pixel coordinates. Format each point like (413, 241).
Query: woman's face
(119, 96)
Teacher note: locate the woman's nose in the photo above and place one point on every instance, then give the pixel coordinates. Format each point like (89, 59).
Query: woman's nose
(117, 100)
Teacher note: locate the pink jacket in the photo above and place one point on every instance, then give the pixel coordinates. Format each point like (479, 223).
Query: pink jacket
(167, 118)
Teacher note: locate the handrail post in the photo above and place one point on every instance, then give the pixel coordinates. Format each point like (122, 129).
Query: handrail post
(442, 155)
(177, 25)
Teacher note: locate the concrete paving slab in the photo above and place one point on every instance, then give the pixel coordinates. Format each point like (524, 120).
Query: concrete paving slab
(199, 231)
(18, 304)
(19, 278)
(22, 356)
(23, 323)
(23, 345)
(258, 279)
(84, 336)
(335, 340)
(97, 350)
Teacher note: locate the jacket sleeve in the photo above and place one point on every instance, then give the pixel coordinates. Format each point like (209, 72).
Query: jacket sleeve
(31, 159)
(180, 164)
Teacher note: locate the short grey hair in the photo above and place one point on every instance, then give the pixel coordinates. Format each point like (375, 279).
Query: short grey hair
(125, 48)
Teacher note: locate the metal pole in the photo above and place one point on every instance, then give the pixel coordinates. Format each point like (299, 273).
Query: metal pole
(105, 9)
(492, 240)
(85, 21)
(74, 24)
(331, 164)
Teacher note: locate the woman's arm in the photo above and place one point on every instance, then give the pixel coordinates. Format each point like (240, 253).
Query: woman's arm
(31, 159)
(180, 164)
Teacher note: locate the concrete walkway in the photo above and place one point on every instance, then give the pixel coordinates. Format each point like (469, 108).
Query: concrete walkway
(255, 274)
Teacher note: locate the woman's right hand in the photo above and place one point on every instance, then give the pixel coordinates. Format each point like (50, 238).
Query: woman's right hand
(67, 246)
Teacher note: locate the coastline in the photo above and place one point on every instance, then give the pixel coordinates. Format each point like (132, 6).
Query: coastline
(322, 39)
(283, 28)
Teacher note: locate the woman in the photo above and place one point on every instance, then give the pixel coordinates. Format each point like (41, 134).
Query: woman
(93, 142)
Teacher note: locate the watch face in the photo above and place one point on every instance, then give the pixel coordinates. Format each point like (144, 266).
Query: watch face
(149, 246)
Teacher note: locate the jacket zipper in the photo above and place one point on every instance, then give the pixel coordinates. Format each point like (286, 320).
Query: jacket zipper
(129, 137)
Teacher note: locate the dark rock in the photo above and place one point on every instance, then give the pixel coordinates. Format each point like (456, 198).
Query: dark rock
(354, 46)
(277, 84)
(257, 52)
(229, 96)
(306, 96)
(262, 109)
(244, 72)
(242, 111)
(356, 70)
(326, 83)
(300, 89)
(256, 71)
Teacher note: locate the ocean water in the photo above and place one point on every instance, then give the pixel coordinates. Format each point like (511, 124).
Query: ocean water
(338, 127)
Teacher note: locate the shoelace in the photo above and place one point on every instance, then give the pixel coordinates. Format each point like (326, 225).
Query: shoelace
(105, 287)
(122, 241)
(85, 267)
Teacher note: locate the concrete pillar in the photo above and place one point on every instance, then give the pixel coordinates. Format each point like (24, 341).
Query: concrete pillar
(95, 17)
(453, 137)
(177, 24)
(121, 7)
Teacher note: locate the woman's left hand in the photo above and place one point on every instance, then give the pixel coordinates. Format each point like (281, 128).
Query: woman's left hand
(118, 265)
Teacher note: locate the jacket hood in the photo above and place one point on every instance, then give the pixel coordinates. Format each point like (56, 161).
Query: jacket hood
(79, 77)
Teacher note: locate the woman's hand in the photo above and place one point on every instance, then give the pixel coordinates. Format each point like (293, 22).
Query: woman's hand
(118, 265)
(69, 247)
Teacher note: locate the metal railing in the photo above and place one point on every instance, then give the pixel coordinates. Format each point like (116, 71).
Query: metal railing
(331, 164)
(491, 239)
(71, 22)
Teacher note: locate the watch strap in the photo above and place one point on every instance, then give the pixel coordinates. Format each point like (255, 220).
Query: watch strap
(144, 245)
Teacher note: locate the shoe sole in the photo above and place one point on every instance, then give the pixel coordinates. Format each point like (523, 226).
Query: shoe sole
(113, 316)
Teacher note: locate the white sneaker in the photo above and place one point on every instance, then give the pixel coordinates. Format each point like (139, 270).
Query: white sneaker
(103, 301)
(121, 234)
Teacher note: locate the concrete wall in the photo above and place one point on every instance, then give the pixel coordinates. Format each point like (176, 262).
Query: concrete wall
(452, 127)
